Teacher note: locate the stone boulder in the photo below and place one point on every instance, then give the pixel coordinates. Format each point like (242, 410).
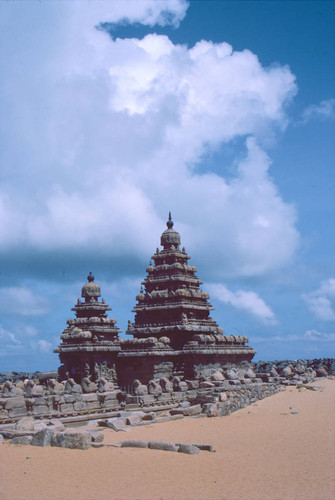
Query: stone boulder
(25, 424)
(134, 443)
(287, 371)
(43, 438)
(188, 449)
(250, 373)
(117, 424)
(299, 368)
(23, 440)
(163, 445)
(231, 374)
(217, 376)
(79, 440)
(321, 371)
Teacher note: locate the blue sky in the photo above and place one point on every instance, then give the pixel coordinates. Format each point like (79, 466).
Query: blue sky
(222, 112)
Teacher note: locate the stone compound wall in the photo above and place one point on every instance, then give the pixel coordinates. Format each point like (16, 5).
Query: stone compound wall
(217, 394)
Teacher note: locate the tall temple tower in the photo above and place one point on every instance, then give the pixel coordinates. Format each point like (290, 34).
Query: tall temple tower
(173, 333)
(90, 343)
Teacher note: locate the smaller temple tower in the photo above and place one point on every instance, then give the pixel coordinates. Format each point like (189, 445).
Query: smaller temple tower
(90, 343)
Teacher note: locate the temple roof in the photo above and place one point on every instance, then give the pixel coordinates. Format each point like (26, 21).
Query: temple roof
(90, 289)
(170, 238)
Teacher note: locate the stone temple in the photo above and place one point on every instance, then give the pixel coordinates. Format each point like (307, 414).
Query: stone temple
(173, 334)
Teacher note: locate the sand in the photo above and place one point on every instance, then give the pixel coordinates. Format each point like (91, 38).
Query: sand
(261, 452)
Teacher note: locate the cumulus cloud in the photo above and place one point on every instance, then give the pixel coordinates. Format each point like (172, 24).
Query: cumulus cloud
(325, 110)
(309, 335)
(316, 336)
(321, 302)
(247, 301)
(44, 346)
(21, 300)
(110, 134)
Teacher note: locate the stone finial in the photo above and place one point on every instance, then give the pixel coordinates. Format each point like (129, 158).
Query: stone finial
(90, 277)
(170, 222)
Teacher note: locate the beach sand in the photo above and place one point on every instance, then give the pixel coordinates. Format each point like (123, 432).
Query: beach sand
(263, 451)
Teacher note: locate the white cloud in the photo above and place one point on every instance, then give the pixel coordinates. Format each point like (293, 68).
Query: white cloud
(247, 301)
(22, 301)
(309, 335)
(109, 135)
(278, 338)
(316, 336)
(321, 301)
(6, 336)
(325, 110)
(44, 346)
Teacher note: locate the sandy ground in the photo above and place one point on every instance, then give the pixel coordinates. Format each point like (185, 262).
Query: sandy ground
(261, 452)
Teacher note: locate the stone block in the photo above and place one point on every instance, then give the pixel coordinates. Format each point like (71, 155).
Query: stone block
(192, 394)
(164, 418)
(166, 396)
(223, 397)
(96, 436)
(17, 412)
(163, 445)
(3, 414)
(204, 447)
(192, 410)
(70, 398)
(43, 438)
(66, 408)
(16, 402)
(79, 440)
(25, 440)
(149, 416)
(80, 406)
(90, 397)
(110, 403)
(206, 385)
(25, 424)
(192, 384)
(97, 445)
(93, 405)
(212, 411)
(117, 424)
(39, 426)
(133, 419)
(177, 411)
(147, 399)
(177, 417)
(134, 443)
(56, 425)
(39, 401)
(40, 410)
(188, 449)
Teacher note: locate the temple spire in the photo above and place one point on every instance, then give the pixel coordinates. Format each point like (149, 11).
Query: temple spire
(170, 222)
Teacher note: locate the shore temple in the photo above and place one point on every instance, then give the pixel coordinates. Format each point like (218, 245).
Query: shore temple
(173, 334)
